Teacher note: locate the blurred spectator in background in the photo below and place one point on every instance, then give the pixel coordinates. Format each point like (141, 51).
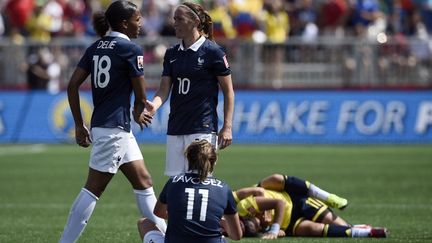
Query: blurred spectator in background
(38, 25)
(304, 19)
(18, 12)
(54, 9)
(222, 21)
(2, 25)
(244, 14)
(153, 19)
(276, 28)
(168, 25)
(332, 17)
(365, 13)
(37, 69)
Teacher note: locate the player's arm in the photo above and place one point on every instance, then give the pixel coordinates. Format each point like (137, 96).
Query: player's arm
(231, 225)
(278, 205)
(139, 86)
(82, 134)
(160, 210)
(248, 191)
(161, 94)
(225, 134)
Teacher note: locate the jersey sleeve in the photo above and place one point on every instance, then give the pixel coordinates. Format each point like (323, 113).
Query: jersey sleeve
(166, 63)
(85, 61)
(220, 63)
(231, 203)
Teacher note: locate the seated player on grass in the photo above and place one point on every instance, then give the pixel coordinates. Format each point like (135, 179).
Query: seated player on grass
(288, 206)
(194, 204)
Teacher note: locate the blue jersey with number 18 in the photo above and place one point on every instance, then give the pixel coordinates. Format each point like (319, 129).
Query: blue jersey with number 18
(195, 208)
(112, 61)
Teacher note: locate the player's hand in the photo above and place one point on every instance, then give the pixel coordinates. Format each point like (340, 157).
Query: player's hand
(225, 137)
(269, 236)
(82, 136)
(142, 119)
(281, 233)
(150, 107)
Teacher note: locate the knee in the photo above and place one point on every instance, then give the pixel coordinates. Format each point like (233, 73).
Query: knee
(147, 182)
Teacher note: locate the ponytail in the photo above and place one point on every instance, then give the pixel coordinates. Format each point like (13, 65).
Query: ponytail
(113, 16)
(100, 23)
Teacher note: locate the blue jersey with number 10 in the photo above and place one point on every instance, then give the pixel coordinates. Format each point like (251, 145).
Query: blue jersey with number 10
(194, 93)
(112, 61)
(196, 208)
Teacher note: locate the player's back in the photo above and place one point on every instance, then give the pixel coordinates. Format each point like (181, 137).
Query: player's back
(112, 61)
(196, 208)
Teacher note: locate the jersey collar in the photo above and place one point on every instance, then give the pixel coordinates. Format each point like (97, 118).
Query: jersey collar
(118, 34)
(195, 46)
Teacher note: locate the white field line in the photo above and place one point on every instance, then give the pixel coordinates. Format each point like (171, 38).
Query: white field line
(22, 149)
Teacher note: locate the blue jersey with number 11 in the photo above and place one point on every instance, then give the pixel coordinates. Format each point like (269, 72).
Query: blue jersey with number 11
(112, 61)
(195, 208)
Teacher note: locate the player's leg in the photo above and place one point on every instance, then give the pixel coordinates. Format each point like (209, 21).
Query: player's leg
(149, 232)
(292, 184)
(140, 179)
(102, 169)
(133, 167)
(84, 204)
(310, 228)
(329, 217)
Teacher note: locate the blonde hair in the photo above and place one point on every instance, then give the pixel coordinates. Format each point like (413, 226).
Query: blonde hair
(202, 158)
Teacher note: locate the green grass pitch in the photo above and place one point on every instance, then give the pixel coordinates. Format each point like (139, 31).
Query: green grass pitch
(386, 185)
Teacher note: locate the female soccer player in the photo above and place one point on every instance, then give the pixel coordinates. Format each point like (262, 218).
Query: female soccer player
(116, 69)
(194, 203)
(287, 205)
(193, 71)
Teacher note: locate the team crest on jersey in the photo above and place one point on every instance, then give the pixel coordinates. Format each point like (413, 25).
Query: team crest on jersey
(140, 62)
(200, 61)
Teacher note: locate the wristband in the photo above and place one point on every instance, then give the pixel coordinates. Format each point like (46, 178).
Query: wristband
(274, 229)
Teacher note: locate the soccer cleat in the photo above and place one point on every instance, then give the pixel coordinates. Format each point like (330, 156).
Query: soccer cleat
(378, 232)
(335, 201)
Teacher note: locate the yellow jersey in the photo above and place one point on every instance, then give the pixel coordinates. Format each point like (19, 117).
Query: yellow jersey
(245, 205)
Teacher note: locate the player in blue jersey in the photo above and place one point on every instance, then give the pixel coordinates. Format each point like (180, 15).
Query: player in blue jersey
(115, 66)
(193, 71)
(194, 203)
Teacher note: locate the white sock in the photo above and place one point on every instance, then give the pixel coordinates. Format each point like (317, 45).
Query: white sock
(357, 232)
(146, 201)
(318, 193)
(80, 213)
